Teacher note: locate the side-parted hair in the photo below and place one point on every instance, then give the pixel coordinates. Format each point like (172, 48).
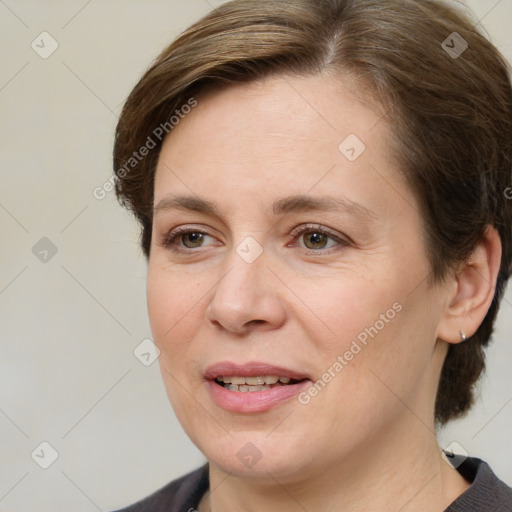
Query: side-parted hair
(444, 88)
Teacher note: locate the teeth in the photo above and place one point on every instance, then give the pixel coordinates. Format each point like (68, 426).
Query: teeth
(254, 381)
(250, 389)
(251, 384)
(246, 389)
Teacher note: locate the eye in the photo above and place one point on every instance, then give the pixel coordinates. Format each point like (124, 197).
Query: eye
(184, 238)
(317, 238)
(192, 239)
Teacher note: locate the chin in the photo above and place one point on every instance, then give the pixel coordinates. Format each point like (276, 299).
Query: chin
(256, 455)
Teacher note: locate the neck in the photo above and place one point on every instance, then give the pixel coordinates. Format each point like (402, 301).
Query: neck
(401, 470)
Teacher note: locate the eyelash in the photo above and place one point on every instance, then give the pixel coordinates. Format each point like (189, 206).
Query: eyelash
(170, 238)
(316, 228)
(180, 231)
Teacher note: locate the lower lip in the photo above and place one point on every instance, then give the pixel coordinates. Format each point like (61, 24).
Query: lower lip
(253, 401)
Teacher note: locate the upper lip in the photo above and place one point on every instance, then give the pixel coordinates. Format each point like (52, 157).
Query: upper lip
(251, 369)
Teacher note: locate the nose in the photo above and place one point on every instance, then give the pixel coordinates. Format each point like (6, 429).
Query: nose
(247, 298)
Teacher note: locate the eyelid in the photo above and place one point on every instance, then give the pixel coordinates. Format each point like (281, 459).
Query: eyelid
(167, 240)
(305, 228)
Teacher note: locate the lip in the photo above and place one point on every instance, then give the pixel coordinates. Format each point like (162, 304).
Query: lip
(255, 401)
(250, 369)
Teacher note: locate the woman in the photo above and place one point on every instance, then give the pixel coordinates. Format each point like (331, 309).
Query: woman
(321, 188)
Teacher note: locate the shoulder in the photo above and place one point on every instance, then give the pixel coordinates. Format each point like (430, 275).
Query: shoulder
(486, 493)
(180, 495)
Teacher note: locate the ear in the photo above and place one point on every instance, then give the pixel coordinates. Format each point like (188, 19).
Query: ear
(472, 290)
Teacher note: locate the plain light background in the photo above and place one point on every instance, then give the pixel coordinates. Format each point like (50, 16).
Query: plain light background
(69, 325)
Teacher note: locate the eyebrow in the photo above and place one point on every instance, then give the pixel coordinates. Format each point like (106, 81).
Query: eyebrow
(283, 206)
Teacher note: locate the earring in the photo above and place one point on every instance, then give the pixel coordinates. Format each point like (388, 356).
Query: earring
(463, 337)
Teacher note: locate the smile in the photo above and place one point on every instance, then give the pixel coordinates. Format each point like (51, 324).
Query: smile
(252, 384)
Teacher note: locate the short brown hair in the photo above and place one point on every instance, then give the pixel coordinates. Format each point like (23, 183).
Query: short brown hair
(449, 99)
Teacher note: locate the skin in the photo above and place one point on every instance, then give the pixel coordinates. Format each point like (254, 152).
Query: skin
(367, 440)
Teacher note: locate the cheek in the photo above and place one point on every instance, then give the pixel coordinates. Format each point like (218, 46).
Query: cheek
(171, 295)
(172, 307)
(381, 358)
(377, 329)
(353, 308)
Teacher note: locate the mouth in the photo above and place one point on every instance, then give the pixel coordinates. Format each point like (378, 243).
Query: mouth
(241, 384)
(253, 387)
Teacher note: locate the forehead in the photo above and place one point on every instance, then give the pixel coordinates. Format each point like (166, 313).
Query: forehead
(285, 132)
(323, 106)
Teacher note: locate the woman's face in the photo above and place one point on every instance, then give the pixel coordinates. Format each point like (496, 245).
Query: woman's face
(287, 246)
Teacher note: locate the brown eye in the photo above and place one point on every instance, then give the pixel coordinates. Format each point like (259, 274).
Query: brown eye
(192, 240)
(315, 240)
(185, 239)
